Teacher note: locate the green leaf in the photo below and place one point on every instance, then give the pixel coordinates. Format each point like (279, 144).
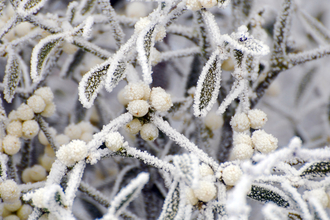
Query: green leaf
(208, 86)
(12, 76)
(268, 194)
(316, 169)
(42, 53)
(171, 204)
(88, 6)
(92, 83)
(116, 76)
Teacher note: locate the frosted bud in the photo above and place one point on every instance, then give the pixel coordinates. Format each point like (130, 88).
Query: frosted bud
(86, 126)
(11, 144)
(213, 121)
(86, 136)
(138, 108)
(122, 98)
(231, 174)
(62, 139)
(318, 194)
(45, 93)
(14, 206)
(141, 24)
(241, 138)
(160, 100)
(23, 28)
(240, 122)
(242, 151)
(114, 141)
(11, 217)
(47, 161)
(257, 118)
(160, 33)
(12, 116)
(155, 56)
(24, 212)
(24, 112)
(14, 128)
(36, 103)
(264, 142)
(190, 195)
(30, 128)
(49, 110)
(149, 132)
(37, 197)
(206, 191)
(205, 170)
(73, 152)
(208, 3)
(37, 173)
(193, 5)
(9, 191)
(133, 126)
(49, 150)
(73, 131)
(26, 178)
(136, 10)
(228, 65)
(69, 48)
(134, 91)
(42, 137)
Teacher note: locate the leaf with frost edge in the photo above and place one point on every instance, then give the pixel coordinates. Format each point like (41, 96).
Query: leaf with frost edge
(28, 7)
(37, 65)
(12, 76)
(212, 67)
(88, 83)
(187, 168)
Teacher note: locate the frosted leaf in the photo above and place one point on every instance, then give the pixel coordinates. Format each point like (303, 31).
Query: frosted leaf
(186, 168)
(74, 181)
(113, 78)
(316, 169)
(267, 193)
(27, 7)
(91, 84)
(86, 6)
(212, 25)
(144, 43)
(223, 3)
(127, 194)
(246, 43)
(3, 167)
(208, 86)
(171, 204)
(71, 11)
(12, 76)
(180, 106)
(91, 48)
(315, 28)
(42, 53)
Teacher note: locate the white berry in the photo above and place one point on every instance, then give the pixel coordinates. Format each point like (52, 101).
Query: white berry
(242, 151)
(231, 174)
(240, 122)
(257, 118)
(133, 126)
(138, 108)
(208, 3)
(30, 128)
(24, 112)
(241, 138)
(49, 110)
(73, 131)
(190, 195)
(86, 126)
(47, 162)
(11, 144)
(133, 91)
(114, 141)
(62, 139)
(213, 121)
(193, 5)
(206, 191)
(205, 170)
(14, 128)
(9, 191)
(37, 173)
(149, 132)
(86, 136)
(36, 103)
(45, 93)
(42, 137)
(136, 9)
(14, 206)
(264, 142)
(24, 212)
(122, 98)
(73, 152)
(160, 100)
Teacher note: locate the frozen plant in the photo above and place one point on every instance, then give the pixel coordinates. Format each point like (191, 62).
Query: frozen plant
(170, 110)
